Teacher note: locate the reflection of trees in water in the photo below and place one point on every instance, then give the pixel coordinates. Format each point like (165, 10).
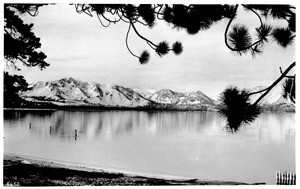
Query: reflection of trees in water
(13, 115)
(118, 123)
(21, 119)
(273, 126)
(112, 123)
(92, 123)
(188, 122)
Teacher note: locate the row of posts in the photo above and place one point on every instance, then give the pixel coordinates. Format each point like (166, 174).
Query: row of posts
(286, 178)
(51, 130)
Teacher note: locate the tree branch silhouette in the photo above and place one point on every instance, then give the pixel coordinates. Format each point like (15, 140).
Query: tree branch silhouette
(287, 76)
(191, 18)
(244, 47)
(268, 89)
(127, 43)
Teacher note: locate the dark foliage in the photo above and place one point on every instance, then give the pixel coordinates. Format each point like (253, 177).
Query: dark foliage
(237, 109)
(276, 11)
(289, 91)
(162, 48)
(167, 13)
(20, 43)
(283, 36)
(98, 8)
(263, 32)
(12, 85)
(292, 23)
(177, 48)
(257, 49)
(147, 13)
(130, 11)
(240, 38)
(280, 11)
(228, 11)
(194, 18)
(144, 58)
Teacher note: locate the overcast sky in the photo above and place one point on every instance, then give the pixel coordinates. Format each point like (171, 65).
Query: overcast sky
(78, 46)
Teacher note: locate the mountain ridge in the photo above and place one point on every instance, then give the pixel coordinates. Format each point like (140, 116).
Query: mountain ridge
(74, 92)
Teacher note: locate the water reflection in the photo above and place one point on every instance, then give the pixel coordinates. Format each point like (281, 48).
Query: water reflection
(108, 124)
(192, 144)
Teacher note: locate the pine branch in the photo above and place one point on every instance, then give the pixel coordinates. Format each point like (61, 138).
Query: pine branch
(227, 28)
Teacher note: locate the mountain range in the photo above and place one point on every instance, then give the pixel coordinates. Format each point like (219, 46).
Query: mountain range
(73, 92)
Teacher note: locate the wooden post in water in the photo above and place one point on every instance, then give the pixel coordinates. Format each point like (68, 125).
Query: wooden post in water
(75, 134)
(29, 125)
(50, 130)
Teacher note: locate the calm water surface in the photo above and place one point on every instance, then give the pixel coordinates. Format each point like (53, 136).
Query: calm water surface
(188, 144)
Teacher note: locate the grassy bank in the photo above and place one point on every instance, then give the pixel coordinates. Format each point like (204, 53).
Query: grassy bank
(20, 171)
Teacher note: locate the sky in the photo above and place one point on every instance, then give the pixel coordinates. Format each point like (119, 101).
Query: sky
(78, 46)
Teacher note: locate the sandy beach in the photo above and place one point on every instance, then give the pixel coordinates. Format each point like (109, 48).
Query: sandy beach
(23, 171)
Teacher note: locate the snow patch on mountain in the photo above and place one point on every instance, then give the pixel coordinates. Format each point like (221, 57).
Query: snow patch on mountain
(273, 97)
(273, 100)
(167, 96)
(74, 91)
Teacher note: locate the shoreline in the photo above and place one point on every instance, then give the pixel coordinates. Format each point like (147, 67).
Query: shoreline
(93, 109)
(27, 171)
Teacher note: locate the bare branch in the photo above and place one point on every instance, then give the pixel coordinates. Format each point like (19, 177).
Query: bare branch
(142, 23)
(127, 43)
(121, 17)
(84, 8)
(35, 11)
(25, 63)
(113, 21)
(151, 46)
(102, 23)
(287, 76)
(158, 12)
(261, 23)
(275, 83)
(147, 40)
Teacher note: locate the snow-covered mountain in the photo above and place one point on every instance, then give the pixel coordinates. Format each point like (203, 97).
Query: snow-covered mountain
(73, 92)
(70, 91)
(193, 99)
(273, 100)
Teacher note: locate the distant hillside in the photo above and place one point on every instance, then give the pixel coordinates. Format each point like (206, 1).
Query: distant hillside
(73, 92)
(273, 100)
(70, 92)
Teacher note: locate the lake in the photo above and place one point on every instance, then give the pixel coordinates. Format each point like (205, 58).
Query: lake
(185, 144)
